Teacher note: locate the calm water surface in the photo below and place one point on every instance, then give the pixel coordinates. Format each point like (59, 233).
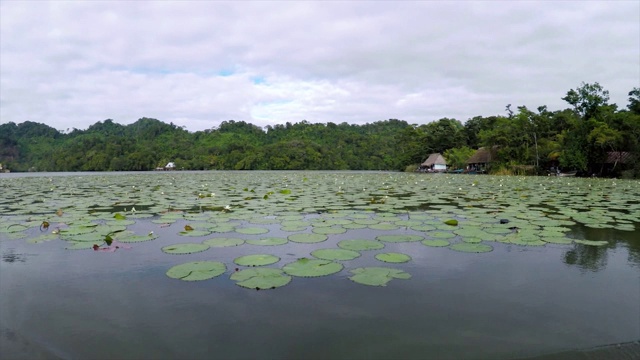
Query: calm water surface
(513, 302)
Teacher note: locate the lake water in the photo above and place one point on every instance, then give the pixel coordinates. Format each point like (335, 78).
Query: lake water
(516, 301)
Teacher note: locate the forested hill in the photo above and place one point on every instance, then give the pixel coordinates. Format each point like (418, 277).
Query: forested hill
(578, 138)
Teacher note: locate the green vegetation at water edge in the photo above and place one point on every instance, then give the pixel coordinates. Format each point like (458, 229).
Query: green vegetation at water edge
(581, 138)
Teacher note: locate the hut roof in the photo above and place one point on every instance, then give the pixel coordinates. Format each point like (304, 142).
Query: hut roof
(481, 156)
(621, 157)
(434, 159)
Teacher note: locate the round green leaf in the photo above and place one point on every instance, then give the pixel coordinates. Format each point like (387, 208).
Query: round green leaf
(307, 238)
(195, 233)
(256, 260)
(592, 242)
(360, 245)
(471, 247)
(312, 267)
(436, 242)
(185, 248)
(377, 276)
(197, 270)
(399, 238)
(270, 241)
(261, 278)
(252, 230)
(83, 245)
(335, 254)
(393, 257)
(223, 242)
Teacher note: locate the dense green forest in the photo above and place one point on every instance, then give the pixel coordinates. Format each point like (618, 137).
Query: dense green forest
(577, 138)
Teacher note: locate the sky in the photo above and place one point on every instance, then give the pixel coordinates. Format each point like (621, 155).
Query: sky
(70, 64)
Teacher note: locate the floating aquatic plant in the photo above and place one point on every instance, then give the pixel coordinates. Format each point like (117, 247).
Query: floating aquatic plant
(307, 238)
(268, 241)
(471, 247)
(360, 245)
(335, 254)
(223, 242)
(436, 242)
(185, 248)
(377, 276)
(256, 260)
(393, 257)
(591, 242)
(312, 267)
(197, 270)
(261, 278)
(399, 238)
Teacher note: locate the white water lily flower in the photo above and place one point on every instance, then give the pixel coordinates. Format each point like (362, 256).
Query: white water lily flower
(133, 209)
(228, 207)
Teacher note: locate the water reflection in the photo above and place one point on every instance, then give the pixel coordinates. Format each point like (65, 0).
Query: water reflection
(594, 258)
(11, 256)
(586, 257)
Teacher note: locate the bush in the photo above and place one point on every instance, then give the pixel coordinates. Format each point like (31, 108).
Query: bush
(412, 168)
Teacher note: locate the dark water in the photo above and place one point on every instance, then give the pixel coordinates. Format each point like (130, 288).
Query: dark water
(513, 302)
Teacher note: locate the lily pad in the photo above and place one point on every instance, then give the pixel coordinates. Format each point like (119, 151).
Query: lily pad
(384, 226)
(223, 242)
(83, 245)
(360, 245)
(592, 242)
(270, 241)
(42, 238)
(557, 240)
(256, 260)
(399, 238)
(436, 242)
(307, 238)
(329, 230)
(129, 238)
(335, 254)
(377, 276)
(185, 248)
(261, 278)
(195, 233)
(312, 267)
(393, 257)
(197, 270)
(441, 235)
(252, 230)
(471, 247)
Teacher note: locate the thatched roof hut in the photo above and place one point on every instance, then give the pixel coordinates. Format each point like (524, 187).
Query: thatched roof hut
(435, 159)
(618, 157)
(482, 156)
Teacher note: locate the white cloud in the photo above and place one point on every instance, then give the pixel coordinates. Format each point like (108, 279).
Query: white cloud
(71, 64)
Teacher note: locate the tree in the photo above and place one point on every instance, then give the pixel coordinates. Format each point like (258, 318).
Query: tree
(587, 99)
(457, 157)
(634, 101)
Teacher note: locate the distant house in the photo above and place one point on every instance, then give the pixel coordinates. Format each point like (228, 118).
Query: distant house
(618, 157)
(170, 166)
(616, 162)
(3, 169)
(481, 159)
(434, 163)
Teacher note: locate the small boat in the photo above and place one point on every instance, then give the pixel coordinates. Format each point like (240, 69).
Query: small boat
(571, 173)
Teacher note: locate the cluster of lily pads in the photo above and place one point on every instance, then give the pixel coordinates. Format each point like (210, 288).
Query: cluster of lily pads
(462, 213)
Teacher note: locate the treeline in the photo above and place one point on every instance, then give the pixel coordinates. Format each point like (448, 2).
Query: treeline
(577, 138)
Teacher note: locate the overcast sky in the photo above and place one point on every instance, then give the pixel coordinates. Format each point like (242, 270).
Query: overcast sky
(73, 63)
